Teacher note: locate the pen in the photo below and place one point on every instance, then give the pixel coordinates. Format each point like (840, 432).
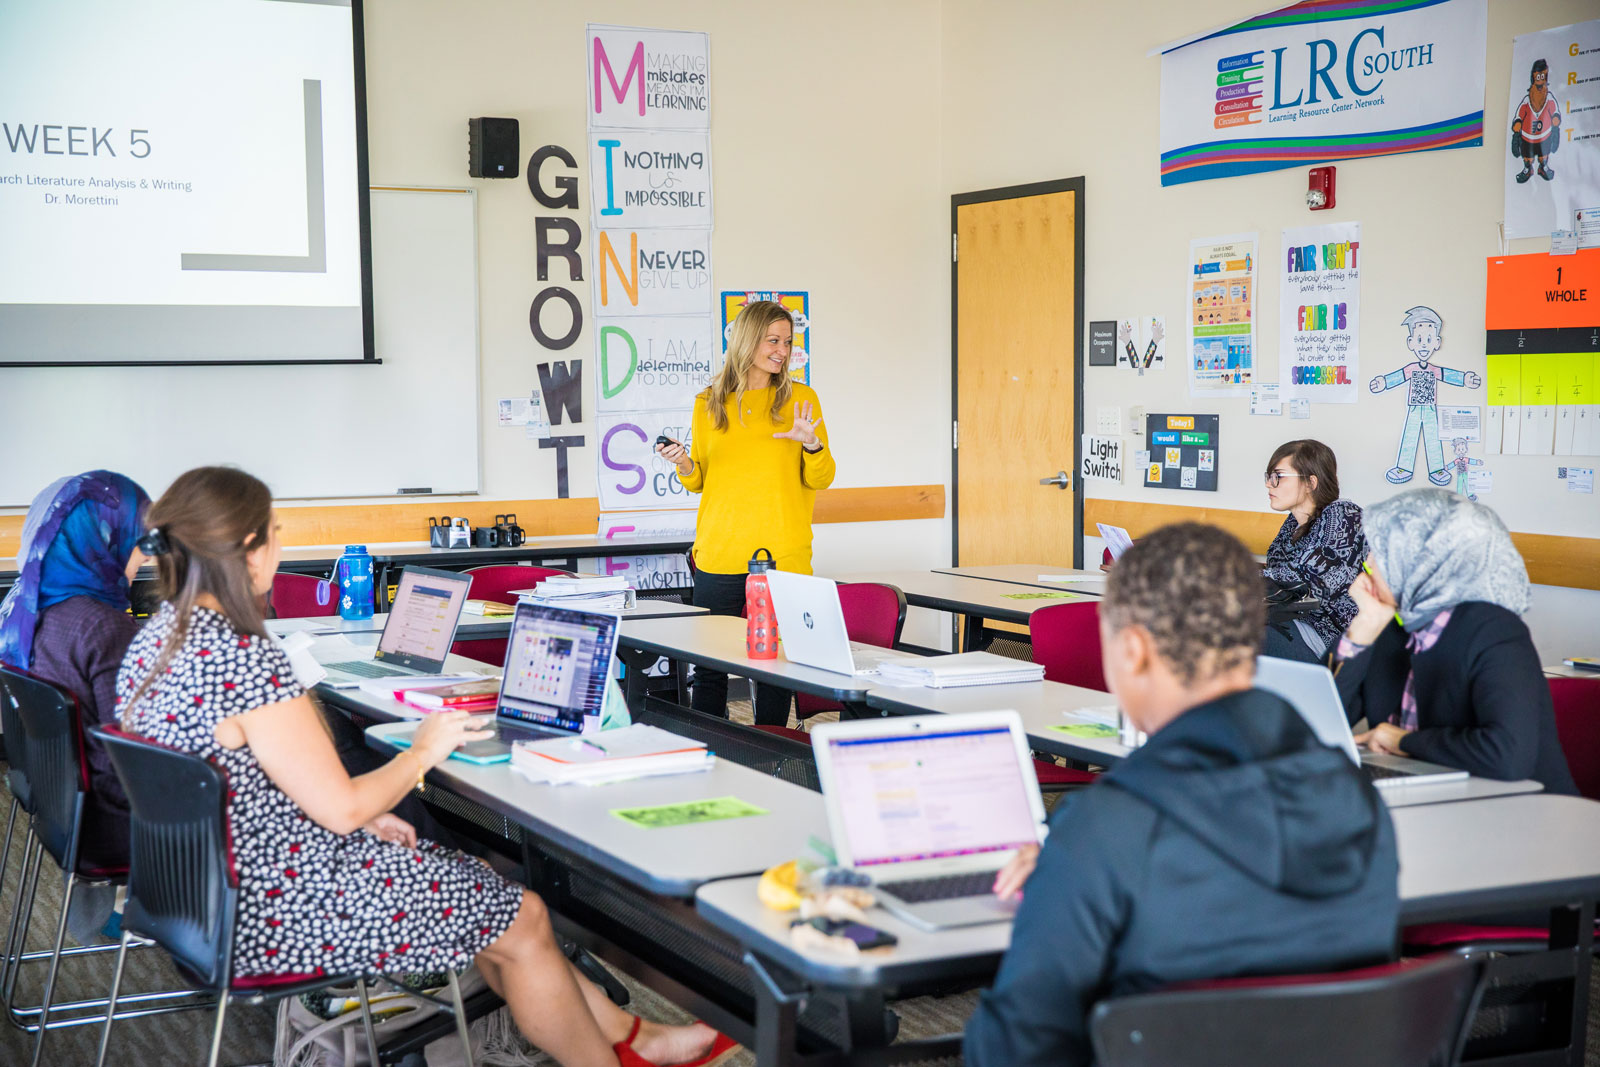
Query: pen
(1368, 568)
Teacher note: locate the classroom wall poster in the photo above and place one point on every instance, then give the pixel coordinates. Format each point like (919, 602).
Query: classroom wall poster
(1183, 452)
(1319, 313)
(1102, 459)
(652, 363)
(669, 571)
(1316, 82)
(732, 301)
(1221, 348)
(648, 96)
(1552, 159)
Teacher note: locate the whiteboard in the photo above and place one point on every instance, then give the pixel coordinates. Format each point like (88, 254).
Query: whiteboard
(308, 431)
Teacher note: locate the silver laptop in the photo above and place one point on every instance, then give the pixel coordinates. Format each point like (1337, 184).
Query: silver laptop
(1311, 689)
(931, 807)
(811, 626)
(418, 633)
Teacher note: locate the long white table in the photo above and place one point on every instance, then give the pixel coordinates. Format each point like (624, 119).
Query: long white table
(1092, 582)
(1457, 862)
(471, 627)
(974, 599)
(1043, 705)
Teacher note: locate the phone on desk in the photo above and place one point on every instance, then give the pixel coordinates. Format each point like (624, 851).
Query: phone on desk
(863, 935)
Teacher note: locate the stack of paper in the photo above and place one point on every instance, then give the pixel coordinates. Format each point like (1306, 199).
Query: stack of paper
(397, 687)
(481, 694)
(489, 609)
(636, 751)
(584, 592)
(967, 668)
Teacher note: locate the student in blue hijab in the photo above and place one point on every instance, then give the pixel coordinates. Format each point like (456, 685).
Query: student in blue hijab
(66, 620)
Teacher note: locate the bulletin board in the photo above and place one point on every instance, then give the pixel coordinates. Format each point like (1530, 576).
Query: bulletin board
(1183, 452)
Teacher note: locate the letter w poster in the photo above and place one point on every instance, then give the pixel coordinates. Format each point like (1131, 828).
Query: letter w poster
(1321, 81)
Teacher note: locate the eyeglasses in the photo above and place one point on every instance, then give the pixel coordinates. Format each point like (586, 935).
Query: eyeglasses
(1274, 477)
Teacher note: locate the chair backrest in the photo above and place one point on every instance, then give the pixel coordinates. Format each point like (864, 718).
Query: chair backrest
(16, 738)
(874, 612)
(46, 718)
(1415, 1013)
(294, 596)
(182, 887)
(1066, 641)
(496, 582)
(1577, 703)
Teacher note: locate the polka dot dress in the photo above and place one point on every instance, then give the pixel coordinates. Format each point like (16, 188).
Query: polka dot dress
(310, 901)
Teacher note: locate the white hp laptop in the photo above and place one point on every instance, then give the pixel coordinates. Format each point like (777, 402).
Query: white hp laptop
(418, 632)
(931, 808)
(811, 625)
(1311, 689)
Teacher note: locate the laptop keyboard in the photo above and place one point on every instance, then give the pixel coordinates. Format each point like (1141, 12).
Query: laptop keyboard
(363, 668)
(945, 887)
(1376, 773)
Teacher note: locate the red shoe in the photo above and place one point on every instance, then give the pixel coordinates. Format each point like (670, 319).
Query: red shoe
(723, 1047)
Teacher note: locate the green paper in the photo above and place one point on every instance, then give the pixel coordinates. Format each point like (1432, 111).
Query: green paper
(687, 813)
(1042, 596)
(1085, 729)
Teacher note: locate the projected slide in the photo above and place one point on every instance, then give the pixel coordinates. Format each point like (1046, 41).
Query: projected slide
(179, 181)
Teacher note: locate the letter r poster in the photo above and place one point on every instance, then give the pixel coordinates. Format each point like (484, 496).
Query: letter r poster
(1320, 81)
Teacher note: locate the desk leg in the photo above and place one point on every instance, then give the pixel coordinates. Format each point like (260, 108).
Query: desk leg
(856, 710)
(779, 1000)
(1574, 928)
(973, 638)
(635, 680)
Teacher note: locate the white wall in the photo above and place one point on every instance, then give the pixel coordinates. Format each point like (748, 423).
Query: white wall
(1037, 91)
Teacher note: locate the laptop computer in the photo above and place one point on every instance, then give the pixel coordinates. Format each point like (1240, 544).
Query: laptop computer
(558, 661)
(418, 633)
(811, 626)
(931, 807)
(1311, 689)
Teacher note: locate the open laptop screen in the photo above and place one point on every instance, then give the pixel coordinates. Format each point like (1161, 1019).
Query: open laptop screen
(422, 621)
(929, 795)
(557, 664)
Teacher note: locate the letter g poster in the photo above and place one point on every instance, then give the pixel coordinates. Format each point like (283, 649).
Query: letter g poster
(1322, 81)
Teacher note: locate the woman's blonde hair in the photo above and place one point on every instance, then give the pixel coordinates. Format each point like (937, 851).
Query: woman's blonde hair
(749, 330)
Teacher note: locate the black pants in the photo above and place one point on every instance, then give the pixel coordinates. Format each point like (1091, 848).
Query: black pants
(1284, 640)
(723, 594)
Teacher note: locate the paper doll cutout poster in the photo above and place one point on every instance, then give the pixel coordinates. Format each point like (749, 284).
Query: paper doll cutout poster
(1422, 378)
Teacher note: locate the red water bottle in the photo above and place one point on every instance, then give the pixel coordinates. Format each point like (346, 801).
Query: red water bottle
(760, 627)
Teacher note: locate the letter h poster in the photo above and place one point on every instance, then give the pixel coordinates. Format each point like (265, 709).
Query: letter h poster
(1319, 313)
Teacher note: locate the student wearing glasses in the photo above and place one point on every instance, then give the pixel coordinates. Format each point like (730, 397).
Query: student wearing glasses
(1315, 557)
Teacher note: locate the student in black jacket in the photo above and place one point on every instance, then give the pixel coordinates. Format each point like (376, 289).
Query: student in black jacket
(1232, 843)
(1436, 659)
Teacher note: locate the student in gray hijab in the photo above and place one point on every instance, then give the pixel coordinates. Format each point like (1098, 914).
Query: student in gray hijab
(1437, 659)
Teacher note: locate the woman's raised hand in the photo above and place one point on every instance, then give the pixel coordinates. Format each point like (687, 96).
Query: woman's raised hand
(803, 430)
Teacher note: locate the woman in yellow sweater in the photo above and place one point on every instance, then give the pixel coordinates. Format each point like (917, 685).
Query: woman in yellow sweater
(758, 453)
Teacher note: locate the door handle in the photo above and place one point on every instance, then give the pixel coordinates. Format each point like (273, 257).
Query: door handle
(1061, 480)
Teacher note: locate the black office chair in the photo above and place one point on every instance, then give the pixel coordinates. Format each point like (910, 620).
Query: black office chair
(1414, 1013)
(182, 888)
(49, 729)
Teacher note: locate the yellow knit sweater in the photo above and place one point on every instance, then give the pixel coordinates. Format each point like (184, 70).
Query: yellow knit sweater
(757, 491)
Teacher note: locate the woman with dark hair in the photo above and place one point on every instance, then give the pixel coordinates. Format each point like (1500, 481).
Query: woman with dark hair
(1314, 558)
(66, 620)
(329, 882)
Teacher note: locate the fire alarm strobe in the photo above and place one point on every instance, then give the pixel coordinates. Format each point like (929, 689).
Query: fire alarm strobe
(1319, 193)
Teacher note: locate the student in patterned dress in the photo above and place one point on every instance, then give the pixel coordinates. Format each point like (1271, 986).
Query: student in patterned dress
(329, 882)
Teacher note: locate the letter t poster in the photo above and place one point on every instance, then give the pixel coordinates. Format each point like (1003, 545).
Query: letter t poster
(1319, 313)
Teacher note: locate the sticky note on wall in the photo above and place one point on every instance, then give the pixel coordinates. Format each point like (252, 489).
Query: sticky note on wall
(1503, 374)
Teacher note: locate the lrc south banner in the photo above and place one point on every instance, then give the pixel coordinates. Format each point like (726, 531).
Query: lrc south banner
(1321, 81)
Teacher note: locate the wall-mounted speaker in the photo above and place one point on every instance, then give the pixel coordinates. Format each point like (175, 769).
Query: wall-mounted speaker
(492, 148)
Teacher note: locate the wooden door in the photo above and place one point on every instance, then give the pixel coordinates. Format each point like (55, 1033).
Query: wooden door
(1018, 327)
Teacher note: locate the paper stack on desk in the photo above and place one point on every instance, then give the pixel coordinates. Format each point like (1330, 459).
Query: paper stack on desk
(584, 592)
(966, 668)
(636, 751)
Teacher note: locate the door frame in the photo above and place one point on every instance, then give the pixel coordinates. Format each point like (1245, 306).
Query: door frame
(1013, 192)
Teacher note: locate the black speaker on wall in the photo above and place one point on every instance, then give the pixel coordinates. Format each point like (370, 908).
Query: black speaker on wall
(492, 148)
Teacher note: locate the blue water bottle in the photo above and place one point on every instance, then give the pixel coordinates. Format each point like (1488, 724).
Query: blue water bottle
(354, 571)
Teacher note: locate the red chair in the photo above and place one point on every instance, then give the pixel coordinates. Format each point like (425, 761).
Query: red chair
(1577, 703)
(1395, 1015)
(1066, 640)
(874, 614)
(294, 596)
(495, 583)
